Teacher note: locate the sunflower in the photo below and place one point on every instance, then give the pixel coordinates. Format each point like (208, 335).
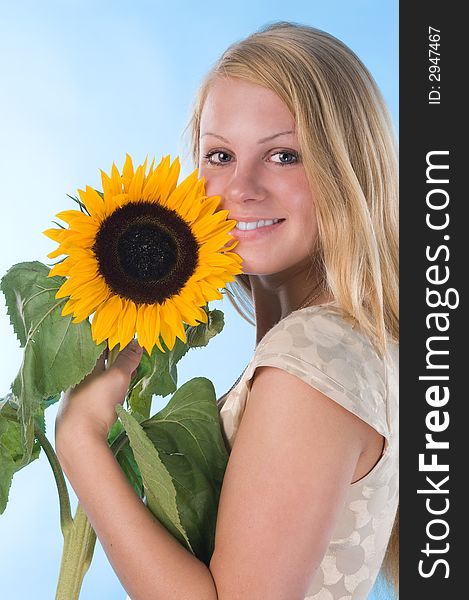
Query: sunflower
(144, 255)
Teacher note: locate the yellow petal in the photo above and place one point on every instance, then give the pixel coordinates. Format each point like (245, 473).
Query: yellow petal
(67, 288)
(212, 224)
(126, 323)
(58, 251)
(106, 318)
(86, 306)
(150, 170)
(220, 260)
(203, 271)
(127, 172)
(176, 198)
(136, 185)
(167, 330)
(170, 181)
(177, 324)
(189, 312)
(93, 202)
(141, 330)
(62, 268)
(152, 325)
(68, 308)
(209, 292)
(111, 185)
(58, 235)
(85, 268)
(209, 206)
(215, 243)
(187, 203)
(196, 292)
(76, 238)
(80, 286)
(194, 209)
(220, 229)
(73, 216)
(152, 187)
(215, 281)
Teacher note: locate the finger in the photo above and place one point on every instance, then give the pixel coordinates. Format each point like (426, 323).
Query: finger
(129, 358)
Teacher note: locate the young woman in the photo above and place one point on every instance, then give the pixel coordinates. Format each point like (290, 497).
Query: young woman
(291, 131)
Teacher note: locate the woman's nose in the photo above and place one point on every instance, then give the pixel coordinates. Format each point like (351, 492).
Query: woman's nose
(245, 184)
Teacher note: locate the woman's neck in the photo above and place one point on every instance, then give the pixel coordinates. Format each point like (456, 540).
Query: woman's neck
(273, 300)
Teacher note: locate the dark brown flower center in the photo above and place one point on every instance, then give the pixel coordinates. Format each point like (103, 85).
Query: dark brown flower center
(146, 252)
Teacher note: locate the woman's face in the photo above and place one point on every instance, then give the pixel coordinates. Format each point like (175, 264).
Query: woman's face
(249, 155)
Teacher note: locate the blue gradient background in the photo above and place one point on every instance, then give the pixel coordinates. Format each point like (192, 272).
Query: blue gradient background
(82, 83)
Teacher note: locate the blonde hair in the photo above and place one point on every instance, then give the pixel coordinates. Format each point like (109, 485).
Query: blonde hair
(348, 150)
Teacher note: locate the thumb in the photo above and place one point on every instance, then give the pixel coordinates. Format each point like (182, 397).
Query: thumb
(128, 359)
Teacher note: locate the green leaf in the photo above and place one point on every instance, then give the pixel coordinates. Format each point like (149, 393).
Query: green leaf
(159, 486)
(200, 335)
(182, 457)
(11, 448)
(124, 455)
(139, 403)
(152, 378)
(126, 459)
(58, 354)
(179, 350)
(188, 437)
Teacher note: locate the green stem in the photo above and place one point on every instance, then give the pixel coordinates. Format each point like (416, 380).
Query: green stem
(120, 441)
(79, 543)
(66, 520)
(112, 355)
(79, 537)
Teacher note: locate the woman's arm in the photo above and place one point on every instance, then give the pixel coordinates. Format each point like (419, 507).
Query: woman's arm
(295, 455)
(149, 562)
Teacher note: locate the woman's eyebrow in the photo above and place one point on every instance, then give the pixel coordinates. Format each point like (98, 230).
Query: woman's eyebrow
(261, 141)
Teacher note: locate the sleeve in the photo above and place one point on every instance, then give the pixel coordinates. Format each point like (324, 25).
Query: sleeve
(325, 351)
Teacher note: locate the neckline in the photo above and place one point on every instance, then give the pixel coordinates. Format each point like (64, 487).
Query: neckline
(317, 305)
(333, 302)
(325, 304)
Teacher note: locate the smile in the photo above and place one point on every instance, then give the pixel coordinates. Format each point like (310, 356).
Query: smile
(250, 225)
(255, 229)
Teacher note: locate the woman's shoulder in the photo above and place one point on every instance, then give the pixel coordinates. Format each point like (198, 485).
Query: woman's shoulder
(323, 347)
(326, 327)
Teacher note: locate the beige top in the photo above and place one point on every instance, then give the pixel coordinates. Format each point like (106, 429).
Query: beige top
(318, 345)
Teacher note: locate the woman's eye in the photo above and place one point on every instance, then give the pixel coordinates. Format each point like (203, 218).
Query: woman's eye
(221, 158)
(285, 155)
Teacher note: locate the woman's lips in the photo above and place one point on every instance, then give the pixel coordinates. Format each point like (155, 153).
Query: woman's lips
(255, 234)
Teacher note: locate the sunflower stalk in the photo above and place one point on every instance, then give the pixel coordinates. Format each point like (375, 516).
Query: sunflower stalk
(79, 537)
(112, 355)
(77, 554)
(64, 499)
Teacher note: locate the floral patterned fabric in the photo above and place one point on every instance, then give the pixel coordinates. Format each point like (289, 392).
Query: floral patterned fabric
(321, 347)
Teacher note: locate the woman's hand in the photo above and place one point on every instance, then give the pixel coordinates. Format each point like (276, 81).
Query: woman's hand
(89, 409)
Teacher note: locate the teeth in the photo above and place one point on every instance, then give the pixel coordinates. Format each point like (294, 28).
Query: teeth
(255, 224)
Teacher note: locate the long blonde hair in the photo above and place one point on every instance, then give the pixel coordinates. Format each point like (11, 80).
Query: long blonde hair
(348, 149)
